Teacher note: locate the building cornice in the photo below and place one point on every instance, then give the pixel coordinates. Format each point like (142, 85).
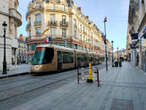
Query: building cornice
(4, 13)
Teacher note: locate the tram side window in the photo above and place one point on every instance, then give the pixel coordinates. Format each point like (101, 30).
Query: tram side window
(49, 54)
(67, 57)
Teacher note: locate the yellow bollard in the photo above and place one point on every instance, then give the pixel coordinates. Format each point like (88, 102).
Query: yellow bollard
(90, 80)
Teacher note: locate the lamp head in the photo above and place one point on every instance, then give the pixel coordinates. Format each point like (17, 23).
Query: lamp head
(4, 24)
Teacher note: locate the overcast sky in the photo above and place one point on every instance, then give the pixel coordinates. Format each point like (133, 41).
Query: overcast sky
(115, 10)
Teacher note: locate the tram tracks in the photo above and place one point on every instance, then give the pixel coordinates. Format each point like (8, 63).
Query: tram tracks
(21, 92)
(38, 84)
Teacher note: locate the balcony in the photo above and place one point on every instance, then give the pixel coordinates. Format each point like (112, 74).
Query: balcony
(52, 23)
(64, 24)
(37, 23)
(16, 15)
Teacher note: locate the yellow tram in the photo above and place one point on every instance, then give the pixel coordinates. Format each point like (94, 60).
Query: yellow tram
(49, 57)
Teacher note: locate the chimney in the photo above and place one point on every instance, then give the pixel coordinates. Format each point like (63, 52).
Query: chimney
(87, 17)
(79, 8)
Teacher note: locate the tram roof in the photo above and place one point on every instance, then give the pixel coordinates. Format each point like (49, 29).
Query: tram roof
(55, 46)
(64, 48)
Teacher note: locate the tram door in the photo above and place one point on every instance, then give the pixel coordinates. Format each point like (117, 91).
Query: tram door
(59, 60)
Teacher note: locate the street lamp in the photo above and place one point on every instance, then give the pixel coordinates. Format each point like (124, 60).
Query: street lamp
(112, 54)
(4, 58)
(117, 52)
(105, 20)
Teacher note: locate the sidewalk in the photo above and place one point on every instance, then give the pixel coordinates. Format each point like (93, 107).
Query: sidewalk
(122, 88)
(18, 70)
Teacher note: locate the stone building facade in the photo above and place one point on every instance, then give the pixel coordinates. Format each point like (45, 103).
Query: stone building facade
(136, 35)
(64, 23)
(9, 14)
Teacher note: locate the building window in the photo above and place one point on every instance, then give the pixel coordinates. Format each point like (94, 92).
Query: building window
(75, 23)
(52, 17)
(63, 19)
(38, 18)
(15, 5)
(57, 1)
(64, 33)
(75, 33)
(29, 33)
(47, 1)
(38, 31)
(38, 5)
(52, 6)
(53, 30)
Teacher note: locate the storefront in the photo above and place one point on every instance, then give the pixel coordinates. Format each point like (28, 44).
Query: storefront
(134, 47)
(142, 37)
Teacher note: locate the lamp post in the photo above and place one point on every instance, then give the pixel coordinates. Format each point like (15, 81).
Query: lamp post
(117, 52)
(112, 54)
(105, 20)
(4, 58)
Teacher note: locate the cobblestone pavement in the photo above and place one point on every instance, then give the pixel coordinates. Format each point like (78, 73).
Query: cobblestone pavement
(122, 88)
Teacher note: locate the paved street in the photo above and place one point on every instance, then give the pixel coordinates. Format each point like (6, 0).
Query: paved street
(121, 89)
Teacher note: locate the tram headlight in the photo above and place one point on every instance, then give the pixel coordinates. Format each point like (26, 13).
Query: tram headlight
(37, 67)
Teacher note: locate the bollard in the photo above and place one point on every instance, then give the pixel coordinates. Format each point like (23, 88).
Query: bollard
(98, 82)
(78, 75)
(89, 79)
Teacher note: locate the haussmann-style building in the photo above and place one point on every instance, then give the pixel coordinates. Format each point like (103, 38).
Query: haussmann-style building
(64, 23)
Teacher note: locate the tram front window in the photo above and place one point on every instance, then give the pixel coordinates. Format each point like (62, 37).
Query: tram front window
(38, 56)
(43, 56)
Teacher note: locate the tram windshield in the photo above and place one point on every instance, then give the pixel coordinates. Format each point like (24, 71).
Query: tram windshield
(38, 56)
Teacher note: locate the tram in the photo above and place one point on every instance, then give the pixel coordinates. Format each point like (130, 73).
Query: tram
(49, 57)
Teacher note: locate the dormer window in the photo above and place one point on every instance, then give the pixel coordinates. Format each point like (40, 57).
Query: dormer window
(38, 5)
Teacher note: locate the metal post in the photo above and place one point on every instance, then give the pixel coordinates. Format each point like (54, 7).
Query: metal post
(117, 52)
(98, 81)
(105, 20)
(112, 54)
(4, 58)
